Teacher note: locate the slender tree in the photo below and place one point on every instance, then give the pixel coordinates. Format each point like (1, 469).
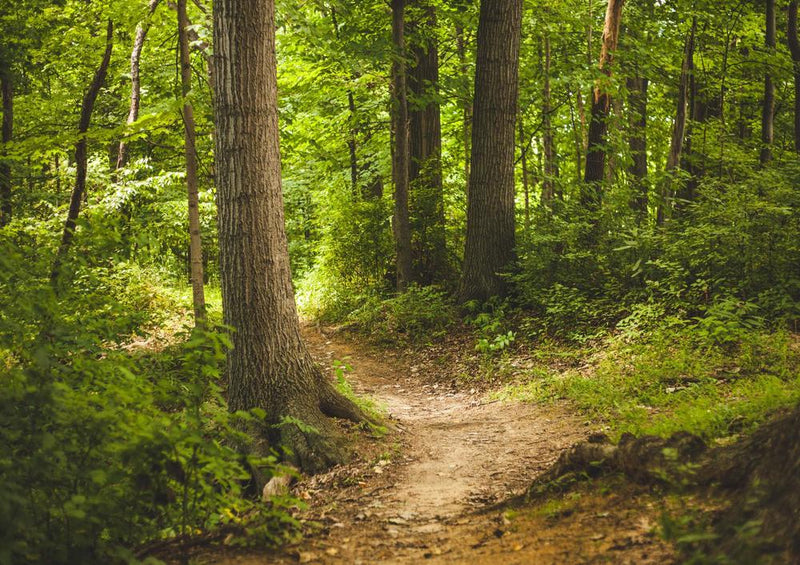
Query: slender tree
(679, 125)
(81, 155)
(768, 108)
(269, 366)
(637, 142)
(490, 201)
(794, 49)
(401, 225)
(548, 141)
(7, 93)
(429, 253)
(190, 153)
(466, 100)
(136, 85)
(591, 193)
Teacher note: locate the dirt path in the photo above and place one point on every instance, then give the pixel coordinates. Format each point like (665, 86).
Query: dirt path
(423, 496)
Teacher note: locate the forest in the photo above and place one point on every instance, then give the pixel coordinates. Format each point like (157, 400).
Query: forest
(399, 281)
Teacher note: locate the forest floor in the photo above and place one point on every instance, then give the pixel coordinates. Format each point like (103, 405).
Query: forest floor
(436, 487)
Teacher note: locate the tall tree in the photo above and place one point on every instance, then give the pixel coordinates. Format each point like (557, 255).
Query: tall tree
(7, 93)
(82, 155)
(768, 108)
(591, 193)
(548, 141)
(190, 153)
(136, 85)
(637, 142)
(679, 125)
(425, 166)
(490, 236)
(401, 224)
(269, 366)
(794, 49)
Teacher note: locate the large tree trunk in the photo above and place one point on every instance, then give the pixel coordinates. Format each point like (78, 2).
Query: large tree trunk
(794, 48)
(425, 167)
(81, 156)
(190, 152)
(591, 194)
(548, 143)
(637, 142)
(269, 366)
(401, 225)
(768, 109)
(136, 84)
(679, 127)
(7, 92)
(490, 201)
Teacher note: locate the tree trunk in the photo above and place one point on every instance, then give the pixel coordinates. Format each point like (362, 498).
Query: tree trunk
(190, 152)
(425, 166)
(490, 236)
(136, 85)
(591, 194)
(269, 366)
(466, 110)
(637, 142)
(679, 127)
(81, 156)
(794, 48)
(401, 225)
(351, 107)
(768, 109)
(7, 92)
(524, 145)
(548, 144)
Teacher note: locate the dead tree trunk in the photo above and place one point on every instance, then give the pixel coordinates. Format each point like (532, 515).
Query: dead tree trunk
(136, 84)
(81, 157)
(269, 366)
(401, 225)
(794, 48)
(7, 92)
(768, 109)
(490, 236)
(190, 152)
(592, 192)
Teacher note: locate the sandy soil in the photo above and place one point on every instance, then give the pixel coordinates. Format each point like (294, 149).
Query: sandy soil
(431, 490)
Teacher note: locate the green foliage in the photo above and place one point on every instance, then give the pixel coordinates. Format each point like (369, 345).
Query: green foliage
(417, 316)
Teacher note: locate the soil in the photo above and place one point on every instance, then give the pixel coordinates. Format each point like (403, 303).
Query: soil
(434, 488)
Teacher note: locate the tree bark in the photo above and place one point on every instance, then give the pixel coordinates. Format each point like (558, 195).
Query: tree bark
(490, 236)
(429, 253)
(7, 92)
(548, 145)
(679, 127)
(81, 156)
(269, 366)
(794, 49)
(592, 192)
(136, 86)
(768, 109)
(637, 142)
(190, 152)
(401, 225)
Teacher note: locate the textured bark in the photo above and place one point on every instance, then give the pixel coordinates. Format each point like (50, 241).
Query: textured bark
(637, 142)
(794, 49)
(679, 127)
(269, 366)
(190, 153)
(81, 156)
(7, 93)
(429, 254)
(591, 195)
(136, 85)
(548, 144)
(768, 108)
(490, 236)
(401, 225)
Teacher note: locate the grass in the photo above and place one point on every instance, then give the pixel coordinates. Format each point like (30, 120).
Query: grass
(670, 380)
